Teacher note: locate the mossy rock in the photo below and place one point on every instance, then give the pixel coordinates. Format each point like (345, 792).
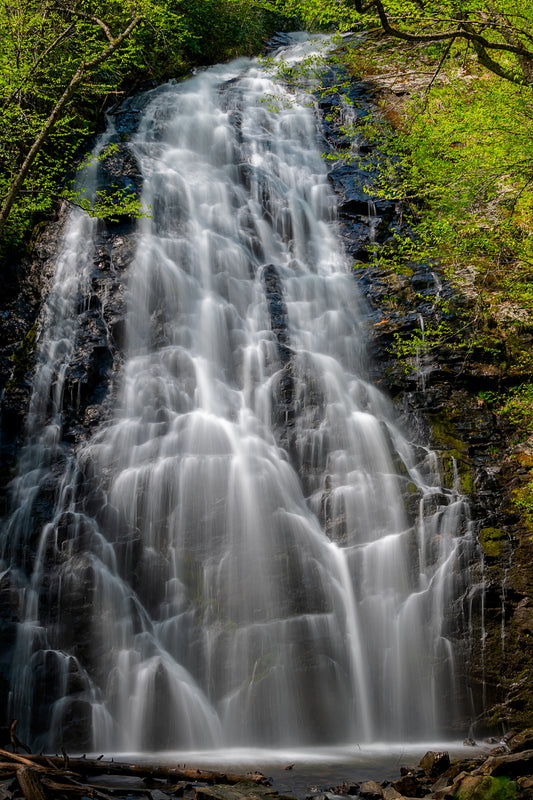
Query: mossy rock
(443, 430)
(492, 541)
(456, 472)
(453, 451)
(476, 787)
(21, 359)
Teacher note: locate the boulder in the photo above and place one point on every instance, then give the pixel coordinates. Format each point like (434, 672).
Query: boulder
(448, 777)
(512, 765)
(525, 786)
(390, 793)
(409, 785)
(521, 741)
(434, 764)
(479, 787)
(371, 790)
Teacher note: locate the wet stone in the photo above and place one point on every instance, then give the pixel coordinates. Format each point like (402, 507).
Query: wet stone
(513, 765)
(521, 741)
(409, 785)
(434, 764)
(371, 790)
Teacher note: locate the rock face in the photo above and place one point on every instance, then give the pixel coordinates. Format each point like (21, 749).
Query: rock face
(438, 399)
(440, 396)
(87, 396)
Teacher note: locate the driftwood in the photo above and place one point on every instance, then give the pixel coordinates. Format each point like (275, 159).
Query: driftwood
(41, 777)
(15, 741)
(30, 783)
(86, 766)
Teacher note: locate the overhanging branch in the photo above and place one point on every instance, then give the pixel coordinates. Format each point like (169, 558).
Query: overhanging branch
(464, 30)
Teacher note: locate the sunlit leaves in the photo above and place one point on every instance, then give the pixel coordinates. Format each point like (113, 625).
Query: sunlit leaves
(43, 44)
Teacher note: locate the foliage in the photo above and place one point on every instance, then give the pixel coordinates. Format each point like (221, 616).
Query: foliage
(517, 408)
(45, 48)
(459, 154)
(220, 29)
(498, 33)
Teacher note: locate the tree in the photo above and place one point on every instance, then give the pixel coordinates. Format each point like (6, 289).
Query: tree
(84, 68)
(50, 54)
(500, 32)
(63, 61)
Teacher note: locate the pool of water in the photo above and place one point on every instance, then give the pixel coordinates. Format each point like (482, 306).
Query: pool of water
(306, 771)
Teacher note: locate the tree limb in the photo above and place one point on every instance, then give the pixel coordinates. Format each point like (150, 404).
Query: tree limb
(95, 20)
(465, 31)
(55, 114)
(36, 63)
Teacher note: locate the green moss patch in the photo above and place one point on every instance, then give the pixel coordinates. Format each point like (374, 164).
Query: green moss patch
(492, 541)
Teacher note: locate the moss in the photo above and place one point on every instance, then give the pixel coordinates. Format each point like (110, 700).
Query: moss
(443, 432)
(453, 451)
(522, 500)
(488, 788)
(456, 472)
(466, 479)
(492, 541)
(21, 359)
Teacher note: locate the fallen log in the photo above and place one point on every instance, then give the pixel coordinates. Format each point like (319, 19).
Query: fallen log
(77, 791)
(30, 784)
(87, 766)
(27, 761)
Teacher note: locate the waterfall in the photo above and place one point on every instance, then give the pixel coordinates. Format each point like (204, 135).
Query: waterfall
(248, 550)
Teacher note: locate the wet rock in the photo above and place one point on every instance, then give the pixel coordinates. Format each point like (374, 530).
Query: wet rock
(371, 790)
(523, 616)
(348, 788)
(119, 170)
(323, 796)
(410, 785)
(514, 765)
(521, 741)
(390, 793)
(434, 764)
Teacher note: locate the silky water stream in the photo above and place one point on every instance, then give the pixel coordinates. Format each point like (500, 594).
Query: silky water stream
(253, 574)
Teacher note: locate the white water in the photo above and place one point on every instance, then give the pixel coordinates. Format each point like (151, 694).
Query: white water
(253, 576)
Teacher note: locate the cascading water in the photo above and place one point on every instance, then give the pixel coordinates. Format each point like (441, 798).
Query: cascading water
(249, 571)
